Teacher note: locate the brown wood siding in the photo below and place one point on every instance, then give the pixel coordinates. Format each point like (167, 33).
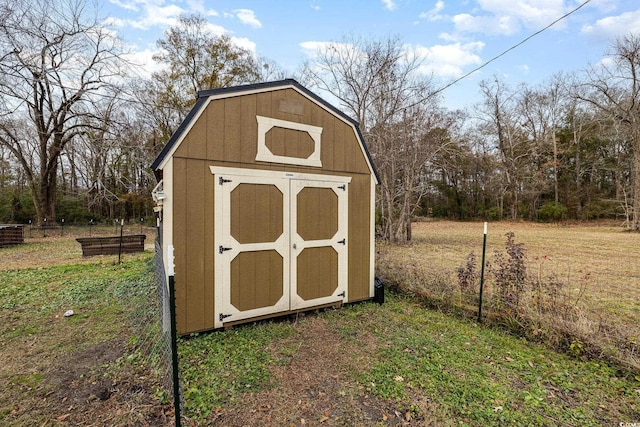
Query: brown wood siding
(289, 143)
(359, 237)
(193, 243)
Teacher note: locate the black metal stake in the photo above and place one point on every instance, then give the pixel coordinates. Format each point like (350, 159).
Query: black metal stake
(30, 227)
(174, 351)
(90, 226)
(62, 228)
(484, 248)
(120, 245)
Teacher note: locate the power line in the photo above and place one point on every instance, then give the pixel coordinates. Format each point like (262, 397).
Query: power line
(448, 85)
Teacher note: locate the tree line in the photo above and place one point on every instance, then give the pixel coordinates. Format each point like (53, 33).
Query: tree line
(79, 125)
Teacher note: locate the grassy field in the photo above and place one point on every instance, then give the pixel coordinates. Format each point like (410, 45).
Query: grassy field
(607, 254)
(396, 364)
(87, 369)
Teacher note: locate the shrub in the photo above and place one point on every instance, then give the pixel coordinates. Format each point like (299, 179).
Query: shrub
(494, 213)
(552, 212)
(468, 275)
(510, 273)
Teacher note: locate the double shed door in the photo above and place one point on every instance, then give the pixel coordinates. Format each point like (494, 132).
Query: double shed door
(281, 242)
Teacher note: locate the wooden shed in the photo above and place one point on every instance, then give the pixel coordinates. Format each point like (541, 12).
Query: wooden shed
(266, 195)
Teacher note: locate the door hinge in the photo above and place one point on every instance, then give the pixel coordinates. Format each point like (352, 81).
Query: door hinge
(343, 294)
(343, 241)
(343, 187)
(222, 249)
(221, 180)
(224, 316)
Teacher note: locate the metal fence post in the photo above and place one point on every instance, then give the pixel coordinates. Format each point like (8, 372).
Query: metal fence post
(484, 248)
(174, 352)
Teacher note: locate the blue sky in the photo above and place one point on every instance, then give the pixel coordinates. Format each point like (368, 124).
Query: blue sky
(452, 37)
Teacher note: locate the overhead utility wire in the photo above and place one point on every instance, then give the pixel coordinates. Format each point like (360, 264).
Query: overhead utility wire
(448, 85)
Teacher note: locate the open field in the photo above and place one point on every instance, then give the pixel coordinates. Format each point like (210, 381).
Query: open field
(59, 246)
(363, 365)
(608, 256)
(582, 288)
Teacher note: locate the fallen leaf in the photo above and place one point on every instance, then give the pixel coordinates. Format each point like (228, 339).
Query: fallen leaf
(399, 378)
(508, 359)
(323, 419)
(498, 409)
(407, 416)
(530, 363)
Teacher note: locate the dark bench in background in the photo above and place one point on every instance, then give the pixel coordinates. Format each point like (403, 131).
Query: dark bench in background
(111, 245)
(11, 234)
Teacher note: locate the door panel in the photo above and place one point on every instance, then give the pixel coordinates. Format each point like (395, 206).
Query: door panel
(253, 247)
(319, 246)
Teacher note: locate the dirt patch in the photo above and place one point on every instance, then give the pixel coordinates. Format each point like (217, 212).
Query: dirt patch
(315, 385)
(90, 387)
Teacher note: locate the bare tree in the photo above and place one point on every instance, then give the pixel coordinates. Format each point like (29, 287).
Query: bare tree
(56, 60)
(500, 118)
(615, 90)
(379, 84)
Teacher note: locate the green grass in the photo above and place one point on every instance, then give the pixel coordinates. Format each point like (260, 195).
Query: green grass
(467, 374)
(218, 368)
(483, 376)
(109, 302)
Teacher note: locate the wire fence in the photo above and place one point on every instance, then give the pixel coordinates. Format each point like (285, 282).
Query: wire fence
(167, 336)
(153, 316)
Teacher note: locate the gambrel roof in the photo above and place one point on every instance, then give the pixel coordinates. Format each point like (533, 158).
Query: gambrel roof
(204, 97)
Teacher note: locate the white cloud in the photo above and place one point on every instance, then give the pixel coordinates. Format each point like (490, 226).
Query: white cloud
(127, 5)
(614, 26)
(434, 14)
(158, 16)
(465, 23)
(524, 68)
(244, 43)
(248, 17)
(389, 4)
(441, 60)
(449, 60)
(143, 63)
(508, 16)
